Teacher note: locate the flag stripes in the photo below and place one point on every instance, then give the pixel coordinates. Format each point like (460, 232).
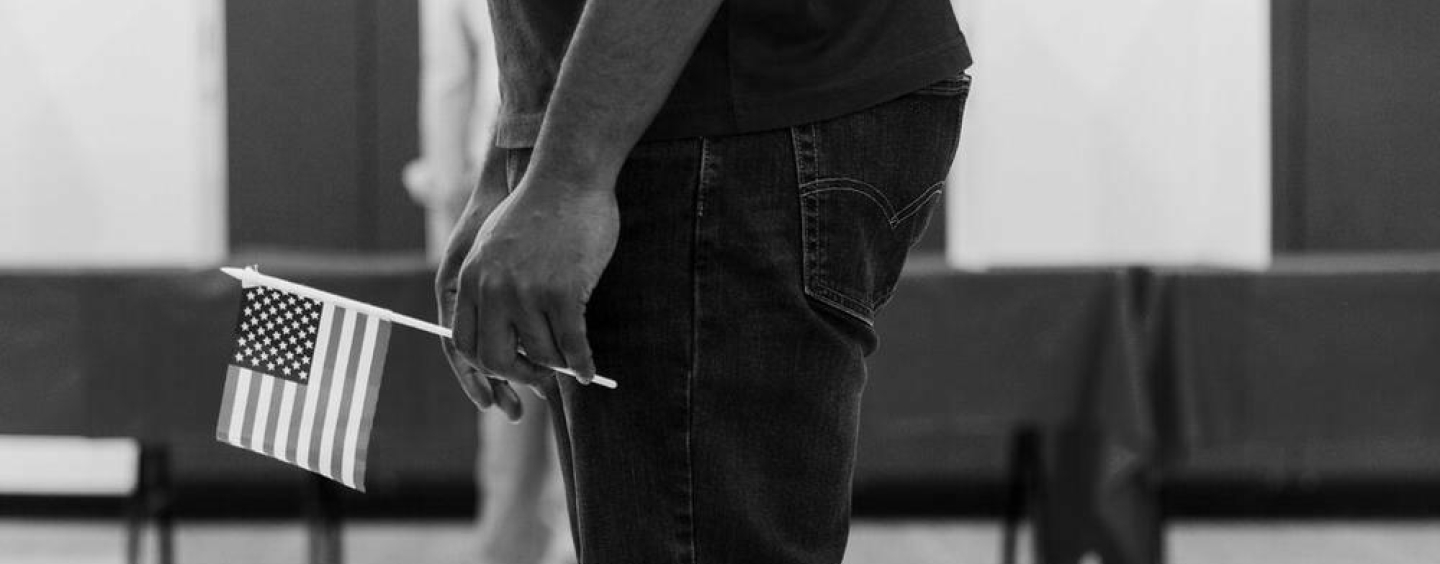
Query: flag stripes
(342, 415)
(321, 423)
(325, 354)
(332, 398)
(262, 413)
(362, 381)
(358, 441)
(285, 438)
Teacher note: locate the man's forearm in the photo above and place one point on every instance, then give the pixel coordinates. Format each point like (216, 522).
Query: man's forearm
(625, 57)
(487, 193)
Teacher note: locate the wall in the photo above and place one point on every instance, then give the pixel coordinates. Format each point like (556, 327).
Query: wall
(323, 117)
(111, 133)
(1119, 131)
(1357, 116)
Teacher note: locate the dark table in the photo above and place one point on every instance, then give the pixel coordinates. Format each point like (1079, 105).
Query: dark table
(141, 353)
(1321, 366)
(1056, 351)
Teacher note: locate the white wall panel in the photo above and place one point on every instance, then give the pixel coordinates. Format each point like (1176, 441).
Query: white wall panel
(1117, 131)
(111, 132)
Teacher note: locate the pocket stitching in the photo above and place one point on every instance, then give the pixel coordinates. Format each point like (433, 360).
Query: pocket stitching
(821, 291)
(876, 195)
(813, 249)
(931, 193)
(816, 286)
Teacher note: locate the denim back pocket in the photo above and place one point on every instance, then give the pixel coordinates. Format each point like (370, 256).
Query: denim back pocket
(868, 184)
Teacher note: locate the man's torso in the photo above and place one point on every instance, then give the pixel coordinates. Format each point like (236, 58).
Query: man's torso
(762, 64)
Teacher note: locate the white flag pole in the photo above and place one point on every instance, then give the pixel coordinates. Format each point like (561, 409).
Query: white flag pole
(252, 276)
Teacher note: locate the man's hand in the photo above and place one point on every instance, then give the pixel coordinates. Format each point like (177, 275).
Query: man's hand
(537, 256)
(529, 274)
(491, 191)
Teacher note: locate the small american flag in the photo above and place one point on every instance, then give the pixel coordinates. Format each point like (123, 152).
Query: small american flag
(302, 383)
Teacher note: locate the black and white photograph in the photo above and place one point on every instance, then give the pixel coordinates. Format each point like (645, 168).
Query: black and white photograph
(719, 282)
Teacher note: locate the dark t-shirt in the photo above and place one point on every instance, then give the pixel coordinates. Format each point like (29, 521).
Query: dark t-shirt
(762, 64)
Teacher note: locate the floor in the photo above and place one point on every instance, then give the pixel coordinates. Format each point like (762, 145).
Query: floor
(872, 542)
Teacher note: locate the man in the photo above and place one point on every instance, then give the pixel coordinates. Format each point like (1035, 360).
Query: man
(705, 200)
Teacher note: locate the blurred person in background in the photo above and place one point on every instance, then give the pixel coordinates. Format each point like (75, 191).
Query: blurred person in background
(522, 514)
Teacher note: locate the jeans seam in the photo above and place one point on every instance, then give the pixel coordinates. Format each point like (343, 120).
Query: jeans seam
(697, 262)
(802, 139)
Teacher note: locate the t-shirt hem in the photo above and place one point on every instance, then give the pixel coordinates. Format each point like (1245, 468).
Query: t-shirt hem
(820, 102)
(823, 101)
(851, 95)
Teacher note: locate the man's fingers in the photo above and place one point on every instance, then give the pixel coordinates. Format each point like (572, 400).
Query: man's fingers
(480, 390)
(469, 377)
(487, 392)
(464, 331)
(568, 325)
(471, 381)
(535, 339)
(495, 343)
(522, 370)
(498, 351)
(507, 399)
(461, 357)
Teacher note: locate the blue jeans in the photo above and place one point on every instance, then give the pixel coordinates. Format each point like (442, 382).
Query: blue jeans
(736, 314)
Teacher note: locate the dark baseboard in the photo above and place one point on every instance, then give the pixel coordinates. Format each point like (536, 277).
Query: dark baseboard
(960, 499)
(49, 507)
(429, 500)
(978, 499)
(1332, 499)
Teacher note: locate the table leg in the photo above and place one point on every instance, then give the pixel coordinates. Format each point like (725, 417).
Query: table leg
(153, 505)
(1023, 474)
(323, 511)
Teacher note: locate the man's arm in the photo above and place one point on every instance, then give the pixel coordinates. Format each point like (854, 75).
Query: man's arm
(490, 190)
(621, 65)
(537, 258)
